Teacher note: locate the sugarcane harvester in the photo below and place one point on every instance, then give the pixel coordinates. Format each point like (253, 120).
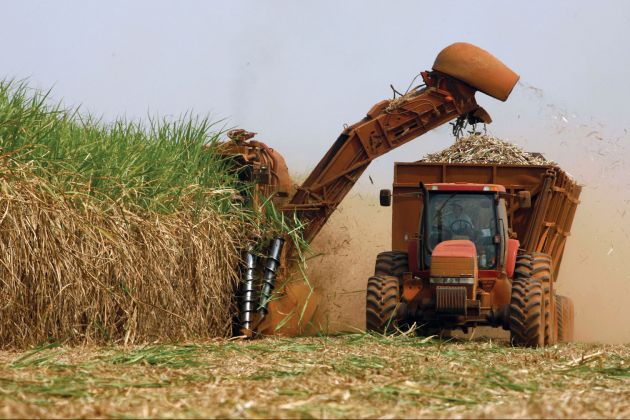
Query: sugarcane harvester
(448, 93)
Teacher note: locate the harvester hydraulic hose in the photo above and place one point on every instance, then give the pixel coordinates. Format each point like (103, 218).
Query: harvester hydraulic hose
(269, 277)
(248, 294)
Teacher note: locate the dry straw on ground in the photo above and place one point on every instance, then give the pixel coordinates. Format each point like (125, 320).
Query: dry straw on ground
(482, 148)
(349, 376)
(75, 271)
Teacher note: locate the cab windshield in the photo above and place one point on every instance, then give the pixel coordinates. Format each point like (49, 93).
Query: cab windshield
(469, 216)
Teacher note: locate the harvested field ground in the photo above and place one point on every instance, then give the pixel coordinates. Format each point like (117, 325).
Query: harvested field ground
(353, 375)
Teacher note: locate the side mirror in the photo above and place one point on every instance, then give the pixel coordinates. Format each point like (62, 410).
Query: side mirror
(524, 199)
(385, 198)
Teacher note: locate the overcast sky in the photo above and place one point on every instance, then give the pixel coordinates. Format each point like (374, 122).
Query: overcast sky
(295, 71)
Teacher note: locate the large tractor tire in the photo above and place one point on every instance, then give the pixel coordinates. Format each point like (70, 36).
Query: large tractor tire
(564, 318)
(382, 304)
(391, 263)
(527, 306)
(542, 270)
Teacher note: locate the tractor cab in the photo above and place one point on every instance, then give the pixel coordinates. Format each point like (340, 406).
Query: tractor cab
(463, 212)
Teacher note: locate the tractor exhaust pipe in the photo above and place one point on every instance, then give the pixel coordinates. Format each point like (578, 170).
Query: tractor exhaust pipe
(269, 277)
(247, 292)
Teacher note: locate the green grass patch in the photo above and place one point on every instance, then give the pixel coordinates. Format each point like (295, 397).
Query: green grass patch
(152, 166)
(165, 356)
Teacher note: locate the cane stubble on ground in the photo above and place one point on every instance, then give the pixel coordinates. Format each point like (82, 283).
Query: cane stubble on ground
(353, 375)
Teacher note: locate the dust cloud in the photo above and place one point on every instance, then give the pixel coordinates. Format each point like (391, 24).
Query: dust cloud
(593, 270)
(344, 254)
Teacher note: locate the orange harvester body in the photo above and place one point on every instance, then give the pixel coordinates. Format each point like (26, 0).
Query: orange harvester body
(448, 93)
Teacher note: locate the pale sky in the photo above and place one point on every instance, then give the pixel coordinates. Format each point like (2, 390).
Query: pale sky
(296, 71)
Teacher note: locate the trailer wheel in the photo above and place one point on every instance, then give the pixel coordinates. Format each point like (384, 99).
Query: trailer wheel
(551, 323)
(542, 271)
(527, 306)
(382, 304)
(391, 263)
(564, 318)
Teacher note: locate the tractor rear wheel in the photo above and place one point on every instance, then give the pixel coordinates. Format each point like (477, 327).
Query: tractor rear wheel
(382, 304)
(391, 263)
(527, 306)
(564, 318)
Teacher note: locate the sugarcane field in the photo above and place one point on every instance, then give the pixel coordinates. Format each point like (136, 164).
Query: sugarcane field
(275, 209)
